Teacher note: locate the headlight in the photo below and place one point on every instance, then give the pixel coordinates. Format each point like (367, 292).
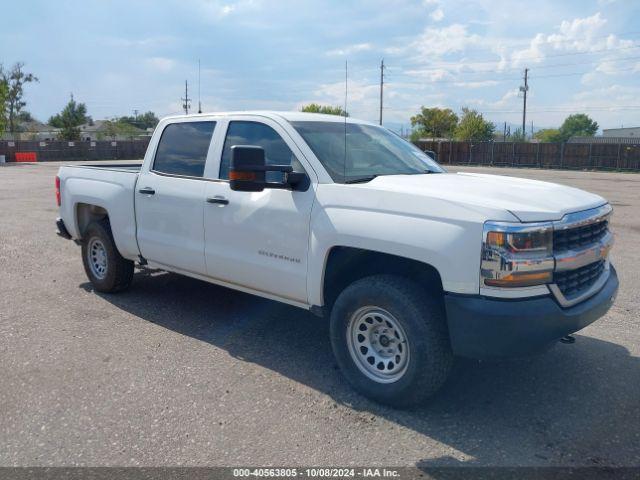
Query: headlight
(517, 255)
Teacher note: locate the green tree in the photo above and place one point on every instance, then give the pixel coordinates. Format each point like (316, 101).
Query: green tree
(15, 80)
(415, 135)
(25, 116)
(435, 122)
(518, 136)
(328, 109)
(578, 125)
(473, 127)
(4, 93)
(69, 120)
(548, 135)
(143, 121)
(117, 128)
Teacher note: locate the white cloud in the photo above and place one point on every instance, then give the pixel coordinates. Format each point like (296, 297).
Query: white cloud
(577, 35)
(614, 95)
(479, 84)
(350, 50)
(508, 100)
(437, 15)
(430, 74)
(216, 10)
(162, 64)
(333, 93)
(362, 99)
(144, 42)
(436, 42)
(226, 9)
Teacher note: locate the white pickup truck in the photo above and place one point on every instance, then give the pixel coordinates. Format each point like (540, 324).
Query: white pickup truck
(412, 265)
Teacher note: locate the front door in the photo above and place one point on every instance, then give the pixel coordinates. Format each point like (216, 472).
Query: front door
(259, 240)
(170, 198)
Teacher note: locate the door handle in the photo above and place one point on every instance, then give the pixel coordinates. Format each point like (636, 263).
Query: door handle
(218, 199)
(147, 191)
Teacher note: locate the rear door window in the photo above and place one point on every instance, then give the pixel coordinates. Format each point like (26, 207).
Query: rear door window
(183, 148)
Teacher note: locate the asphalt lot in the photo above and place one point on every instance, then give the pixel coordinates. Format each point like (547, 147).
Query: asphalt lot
(180, 372)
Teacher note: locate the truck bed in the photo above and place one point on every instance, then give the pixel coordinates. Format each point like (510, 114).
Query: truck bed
(110, 186)
(119, 167)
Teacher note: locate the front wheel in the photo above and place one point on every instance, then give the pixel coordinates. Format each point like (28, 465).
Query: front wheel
(107, 270)
(390, 339)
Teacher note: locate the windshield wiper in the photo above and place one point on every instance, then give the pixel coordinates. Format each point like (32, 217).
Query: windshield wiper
(368, 178)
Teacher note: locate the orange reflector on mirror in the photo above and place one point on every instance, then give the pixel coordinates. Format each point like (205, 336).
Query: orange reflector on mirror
(240, 175)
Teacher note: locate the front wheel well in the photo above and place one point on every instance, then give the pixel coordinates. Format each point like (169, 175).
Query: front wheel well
(87, 213)
(345, 265)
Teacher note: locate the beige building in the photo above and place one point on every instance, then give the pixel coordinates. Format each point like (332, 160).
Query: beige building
(629, 132)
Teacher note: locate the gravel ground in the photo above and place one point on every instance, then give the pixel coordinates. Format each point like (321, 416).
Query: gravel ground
(180, 372)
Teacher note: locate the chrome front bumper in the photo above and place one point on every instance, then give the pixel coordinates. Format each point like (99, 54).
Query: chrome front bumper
(556, 262)
(574, 259)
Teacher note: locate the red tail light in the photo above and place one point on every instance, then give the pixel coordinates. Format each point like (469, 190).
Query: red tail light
(58, 190)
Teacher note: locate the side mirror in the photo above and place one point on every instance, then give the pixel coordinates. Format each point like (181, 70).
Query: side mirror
(247, 170)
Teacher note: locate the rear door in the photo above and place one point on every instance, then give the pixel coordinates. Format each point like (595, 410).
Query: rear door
(170, 197)
(260, 240)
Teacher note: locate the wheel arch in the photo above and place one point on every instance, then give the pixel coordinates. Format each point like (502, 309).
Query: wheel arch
(86, 213)
(344, 265)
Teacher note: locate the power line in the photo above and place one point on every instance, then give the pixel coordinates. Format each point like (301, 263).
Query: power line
(588, 52)
(571, 74)
(528, 59)
(544, 109)
(555, 65)
(537, 67)
(494, 80)
(620, 35)
(572, 109)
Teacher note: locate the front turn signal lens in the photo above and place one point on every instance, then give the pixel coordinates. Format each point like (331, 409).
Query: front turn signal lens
(520, 280)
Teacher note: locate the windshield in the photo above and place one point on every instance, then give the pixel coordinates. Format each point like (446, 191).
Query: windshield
(370, 151)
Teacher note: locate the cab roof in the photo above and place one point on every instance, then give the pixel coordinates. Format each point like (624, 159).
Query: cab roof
(291, 116)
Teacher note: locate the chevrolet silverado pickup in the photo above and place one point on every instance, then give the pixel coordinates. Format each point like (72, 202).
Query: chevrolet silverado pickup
(410, 264)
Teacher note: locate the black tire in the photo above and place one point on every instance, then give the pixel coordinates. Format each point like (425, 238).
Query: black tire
(420, 314)
(118, 270)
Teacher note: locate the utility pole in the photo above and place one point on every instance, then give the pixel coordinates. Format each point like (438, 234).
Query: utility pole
(381, 87)
(504, 134)
(524, 89)
(185, 101)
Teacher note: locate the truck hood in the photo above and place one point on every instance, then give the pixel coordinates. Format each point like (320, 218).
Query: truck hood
(529, 200)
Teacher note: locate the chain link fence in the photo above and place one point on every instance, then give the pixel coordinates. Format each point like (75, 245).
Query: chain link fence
(82, 150)
(577, 156)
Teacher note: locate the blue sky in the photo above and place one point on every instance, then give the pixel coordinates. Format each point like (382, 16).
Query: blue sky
(117, 56)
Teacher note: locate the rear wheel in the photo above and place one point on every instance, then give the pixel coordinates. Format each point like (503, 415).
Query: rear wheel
(107, 270)
(390, 339)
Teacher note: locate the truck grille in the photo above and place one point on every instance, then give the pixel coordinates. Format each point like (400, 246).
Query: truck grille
(576, 281)
(578, 237)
